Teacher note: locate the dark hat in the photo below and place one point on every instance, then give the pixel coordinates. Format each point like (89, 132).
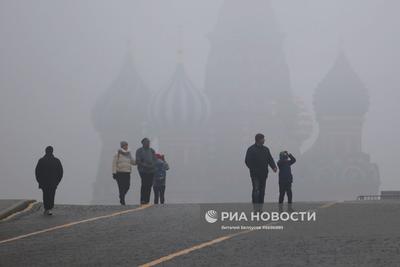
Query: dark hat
(259, 137)
(49, 150)
(283, 155)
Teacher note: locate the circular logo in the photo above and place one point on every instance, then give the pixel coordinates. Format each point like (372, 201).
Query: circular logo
(211, 216)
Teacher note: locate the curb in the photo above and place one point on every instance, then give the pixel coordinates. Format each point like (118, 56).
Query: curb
(21, 205)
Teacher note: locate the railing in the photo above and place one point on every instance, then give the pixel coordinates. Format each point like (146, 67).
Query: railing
(379, 197)
(369, 197)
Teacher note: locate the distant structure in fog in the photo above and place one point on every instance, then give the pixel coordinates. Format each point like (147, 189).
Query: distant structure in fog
(119, 114)
(178, 116)
(204, 134)
(248, 84)
(336, 167)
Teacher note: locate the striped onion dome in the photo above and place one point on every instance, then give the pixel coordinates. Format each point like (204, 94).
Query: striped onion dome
(180, 104)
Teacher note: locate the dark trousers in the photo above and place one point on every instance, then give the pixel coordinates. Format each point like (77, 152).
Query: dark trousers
(145, 189)
(159, 191)
(258, 191)
(124, 182)
(48, 197)
(285, 188)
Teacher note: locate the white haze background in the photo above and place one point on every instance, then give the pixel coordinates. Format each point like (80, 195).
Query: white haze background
(57, 57)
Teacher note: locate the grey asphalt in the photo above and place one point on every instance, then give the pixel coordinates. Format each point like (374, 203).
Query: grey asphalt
(345, 234)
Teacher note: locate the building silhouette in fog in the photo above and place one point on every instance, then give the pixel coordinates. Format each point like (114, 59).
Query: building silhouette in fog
(248, 84)
(205, 133)
(177, 119)
(119, 114)
(336, 167)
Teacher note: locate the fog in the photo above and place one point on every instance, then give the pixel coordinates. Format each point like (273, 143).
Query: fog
(61, 59)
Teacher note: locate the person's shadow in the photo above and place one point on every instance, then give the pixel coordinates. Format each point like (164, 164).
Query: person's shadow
(289, 208)
(258, 207)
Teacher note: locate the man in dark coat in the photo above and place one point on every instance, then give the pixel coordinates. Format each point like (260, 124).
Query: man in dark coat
(258, 158)
(146, 164)
(49, 173)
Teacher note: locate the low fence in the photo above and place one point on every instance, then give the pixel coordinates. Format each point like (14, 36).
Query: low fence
(379, 197)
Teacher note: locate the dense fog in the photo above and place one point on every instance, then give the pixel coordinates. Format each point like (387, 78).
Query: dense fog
(200, 78)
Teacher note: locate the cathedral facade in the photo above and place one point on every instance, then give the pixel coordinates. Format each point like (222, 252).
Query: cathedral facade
(248, 84)
(205, 133)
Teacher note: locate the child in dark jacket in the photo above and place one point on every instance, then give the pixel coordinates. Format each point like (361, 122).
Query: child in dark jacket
(159, 179)
(286, 160)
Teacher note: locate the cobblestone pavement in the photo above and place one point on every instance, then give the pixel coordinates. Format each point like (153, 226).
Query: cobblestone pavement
(344, 234)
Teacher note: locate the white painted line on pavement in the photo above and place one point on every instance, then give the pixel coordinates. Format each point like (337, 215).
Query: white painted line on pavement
(191, 249)
(210, 243)
(327, 205)
(74, 223)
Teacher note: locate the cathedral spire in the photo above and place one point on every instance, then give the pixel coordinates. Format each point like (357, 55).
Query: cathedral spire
(341, 92)
(180, 54)
(249, 18)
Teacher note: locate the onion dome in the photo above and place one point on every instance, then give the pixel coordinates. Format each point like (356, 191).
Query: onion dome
(341, 92)
(180, 104)
(121, 107)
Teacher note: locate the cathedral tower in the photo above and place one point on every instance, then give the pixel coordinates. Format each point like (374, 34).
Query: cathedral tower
(336, 167)
(119, 114)
(248, 84)
(178, 114)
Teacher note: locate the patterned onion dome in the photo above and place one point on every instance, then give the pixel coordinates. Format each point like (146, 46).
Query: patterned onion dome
(180, 104)
(341, 92)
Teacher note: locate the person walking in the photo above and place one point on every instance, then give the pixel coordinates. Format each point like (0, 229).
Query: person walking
(160, 178)
(146, 163)
(258, 158)
(121, 169)
(49, 172)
